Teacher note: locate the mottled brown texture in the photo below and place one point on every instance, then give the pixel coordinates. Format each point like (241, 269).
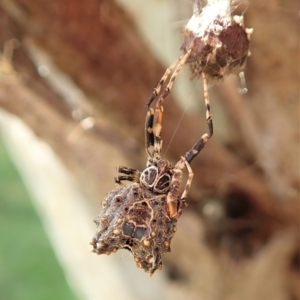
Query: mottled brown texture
(218, 52)
(136, 219)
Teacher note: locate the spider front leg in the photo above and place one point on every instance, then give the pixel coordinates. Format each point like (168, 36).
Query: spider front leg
(130, 175)
(156, 90)
(153, 128)
(179, 62)
(194, 151)
(166, 92)
(176, 204)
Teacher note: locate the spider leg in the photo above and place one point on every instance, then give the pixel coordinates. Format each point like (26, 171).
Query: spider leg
(176, 204)
(194, 151)
(149, 136)
(153, 128)
(130, 174)
(243, 85)
(180, 165)
(162, 81)
(157, 128)
(166, 92)
(121, 178)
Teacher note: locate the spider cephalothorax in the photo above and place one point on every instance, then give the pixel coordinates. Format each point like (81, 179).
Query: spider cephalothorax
(157, 176)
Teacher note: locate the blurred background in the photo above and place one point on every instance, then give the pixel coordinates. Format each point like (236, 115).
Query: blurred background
(74, 80)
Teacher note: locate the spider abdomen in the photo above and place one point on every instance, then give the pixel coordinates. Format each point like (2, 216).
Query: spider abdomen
(139, 223)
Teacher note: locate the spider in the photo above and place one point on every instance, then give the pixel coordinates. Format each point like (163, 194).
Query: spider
(215, 44)
(160, 177)
(141, 217)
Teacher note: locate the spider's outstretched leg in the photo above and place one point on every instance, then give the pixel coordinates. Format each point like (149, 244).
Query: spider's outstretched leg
(168, 88)
(153, 127)
(156, 90)
(130, 174)
(176, 204)
(192, 153)
(179, 64)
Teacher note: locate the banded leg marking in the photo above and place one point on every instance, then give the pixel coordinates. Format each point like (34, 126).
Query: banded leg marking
(149, 135)
(178, 68)
(194, 151)
(162, 81)
(175, 204)
(130, 174)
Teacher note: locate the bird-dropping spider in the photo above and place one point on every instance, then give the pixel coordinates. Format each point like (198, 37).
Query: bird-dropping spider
(142, 216)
